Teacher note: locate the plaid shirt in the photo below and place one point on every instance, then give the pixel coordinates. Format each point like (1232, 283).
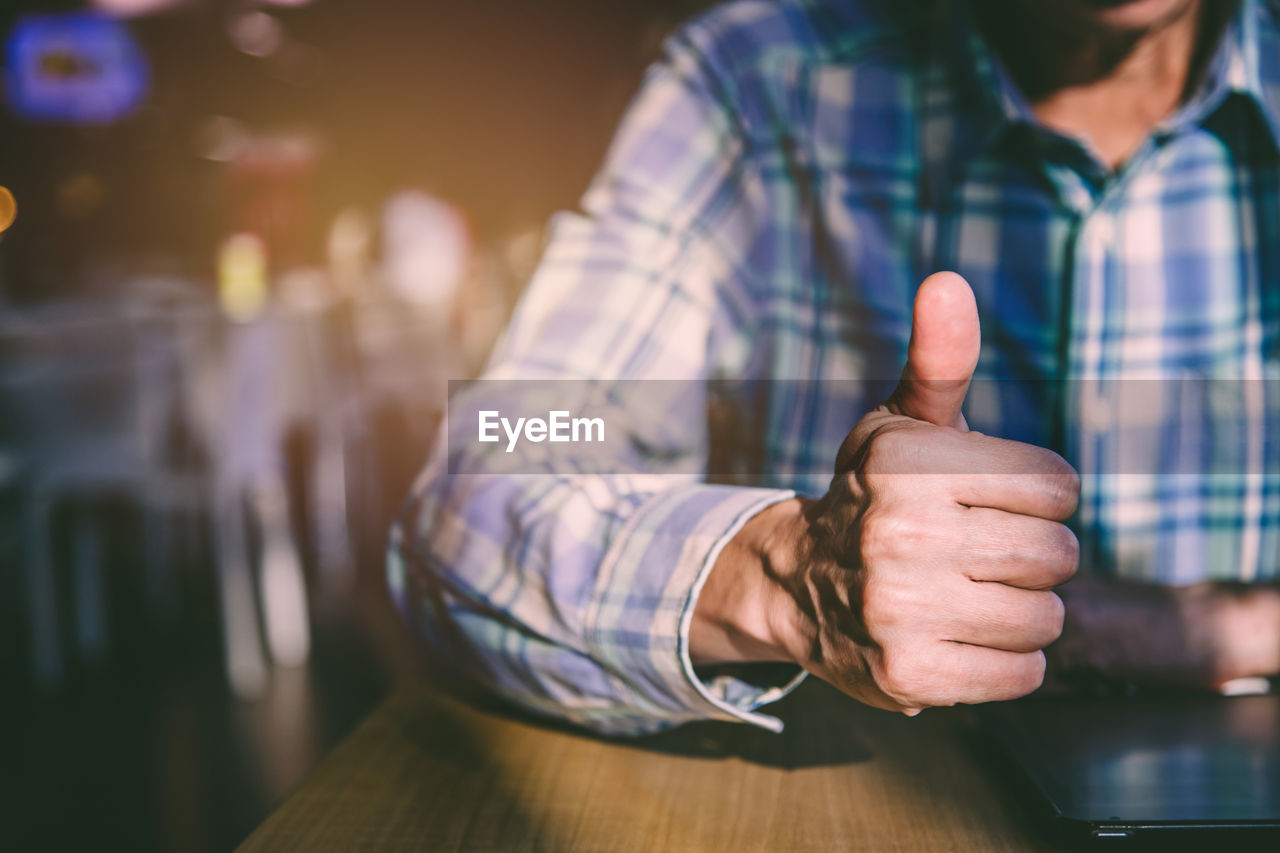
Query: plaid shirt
(785, 178)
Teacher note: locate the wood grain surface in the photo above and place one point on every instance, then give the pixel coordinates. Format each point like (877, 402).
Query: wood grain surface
(425, 772)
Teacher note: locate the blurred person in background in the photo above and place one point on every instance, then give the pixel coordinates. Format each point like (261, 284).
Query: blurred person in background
(1101, 176)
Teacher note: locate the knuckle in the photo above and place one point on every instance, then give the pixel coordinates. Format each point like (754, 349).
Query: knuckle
(860, 441)
(883, 605)
(888, 448)
(865, 429)
(850, 449)
(902, 678)
(1025, 678)
(1061, 482)
(878, 534)
(1055, 617)
(1069, 554)
(848, 484)
(1033, 676)
(1059, 467)
(1038, 623)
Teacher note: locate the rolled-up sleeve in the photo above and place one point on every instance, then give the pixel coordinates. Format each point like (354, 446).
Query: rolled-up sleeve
(571, 593)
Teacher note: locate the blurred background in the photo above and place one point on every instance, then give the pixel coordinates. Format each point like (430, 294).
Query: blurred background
(243, 246)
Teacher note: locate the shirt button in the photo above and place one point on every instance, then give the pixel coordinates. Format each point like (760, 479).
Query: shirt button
(1103, 227)
(1080, 197)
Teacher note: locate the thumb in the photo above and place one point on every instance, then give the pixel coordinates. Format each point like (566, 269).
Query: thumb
(945, 338)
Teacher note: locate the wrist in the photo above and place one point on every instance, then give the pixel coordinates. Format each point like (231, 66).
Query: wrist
(742, 613)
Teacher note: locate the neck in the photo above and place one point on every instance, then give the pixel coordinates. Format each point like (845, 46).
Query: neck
(1107, 87)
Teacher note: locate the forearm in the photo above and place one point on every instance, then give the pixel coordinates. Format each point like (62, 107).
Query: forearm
(569, 595)
(1203, 635)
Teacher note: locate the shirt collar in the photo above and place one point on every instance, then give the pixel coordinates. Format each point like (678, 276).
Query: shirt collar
(969, 101)
(1248, 63)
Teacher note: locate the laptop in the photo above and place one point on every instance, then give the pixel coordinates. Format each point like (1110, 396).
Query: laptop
(1120, 768)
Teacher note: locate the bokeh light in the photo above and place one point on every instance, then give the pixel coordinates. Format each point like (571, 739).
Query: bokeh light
(8, 209)
(130, 8)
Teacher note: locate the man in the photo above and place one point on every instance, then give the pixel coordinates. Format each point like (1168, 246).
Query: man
(1103, 177)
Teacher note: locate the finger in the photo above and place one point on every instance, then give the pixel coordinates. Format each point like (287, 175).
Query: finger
(1003, 617)
(1052, 495)
(1017, 550)
(979, 470)
(942, 353)
(945, 673)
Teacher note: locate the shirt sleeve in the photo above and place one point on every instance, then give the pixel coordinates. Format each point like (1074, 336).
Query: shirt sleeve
(571, 593)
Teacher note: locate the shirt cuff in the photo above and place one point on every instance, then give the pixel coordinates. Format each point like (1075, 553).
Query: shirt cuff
(646, 592)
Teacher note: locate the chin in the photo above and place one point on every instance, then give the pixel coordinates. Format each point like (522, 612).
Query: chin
(1126, 14)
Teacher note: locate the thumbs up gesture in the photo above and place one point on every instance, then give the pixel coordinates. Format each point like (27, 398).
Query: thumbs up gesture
(924, 577)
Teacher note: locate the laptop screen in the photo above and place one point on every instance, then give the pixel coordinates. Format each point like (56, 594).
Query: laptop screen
(1197, 760)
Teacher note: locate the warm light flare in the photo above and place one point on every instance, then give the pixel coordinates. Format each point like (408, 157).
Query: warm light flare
(8, 209)
(130, 8)
(242, 276)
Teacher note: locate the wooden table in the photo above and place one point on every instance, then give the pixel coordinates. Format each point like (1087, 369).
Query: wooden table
(425, 772)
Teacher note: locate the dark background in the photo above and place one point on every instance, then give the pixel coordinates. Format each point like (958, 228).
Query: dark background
(502, 108)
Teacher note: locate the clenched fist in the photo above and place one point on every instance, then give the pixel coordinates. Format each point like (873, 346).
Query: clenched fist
(924, 577)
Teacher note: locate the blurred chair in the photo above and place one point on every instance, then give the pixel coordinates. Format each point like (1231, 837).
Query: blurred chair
(285, 369)
(88, 395)
(93, 395)
(243, 408)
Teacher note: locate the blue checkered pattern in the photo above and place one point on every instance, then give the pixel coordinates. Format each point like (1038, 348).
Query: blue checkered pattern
(787, 175)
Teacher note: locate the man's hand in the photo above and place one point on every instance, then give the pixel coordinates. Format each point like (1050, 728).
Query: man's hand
(1200, 636)
(924, 576)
